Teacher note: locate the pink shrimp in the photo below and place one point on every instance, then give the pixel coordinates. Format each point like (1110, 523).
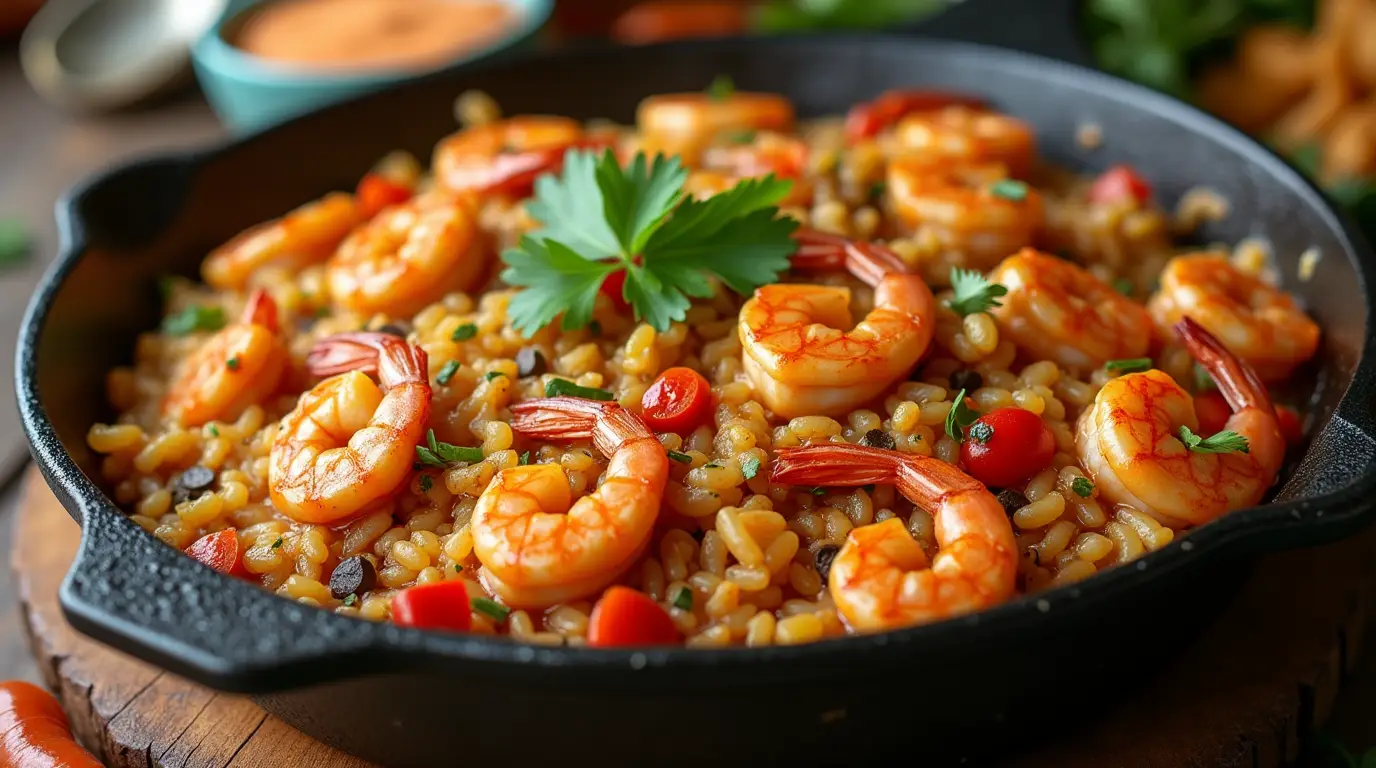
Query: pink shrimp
(237, 367)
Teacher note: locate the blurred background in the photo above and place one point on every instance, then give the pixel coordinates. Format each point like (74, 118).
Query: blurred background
(87, 83)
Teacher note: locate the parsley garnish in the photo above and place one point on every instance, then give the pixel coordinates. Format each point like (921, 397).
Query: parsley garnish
(426, 483)
(192, 319)
(437, 454)
(1203, 382)
(1123, 286)
(15, 242)
(447, 372)
(490, 375)
(525, 459)
(959, 417)
(974, 293)
(491, 608)
(750, 466)
(277, 544)
(1008, 189)
(464, 332)
(458, 568)
(214, 431)
(1223, 442)
(1129, 365)
(232, 363)
(599, 219)
(684, 599)
(741, 137)
(721, 88)
(351, 599)
(1082, 487)
(816, 490)
(981, 432)
(681, 458)
(564, 387)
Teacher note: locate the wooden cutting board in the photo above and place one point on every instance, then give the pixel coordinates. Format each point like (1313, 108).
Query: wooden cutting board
(1244, 695)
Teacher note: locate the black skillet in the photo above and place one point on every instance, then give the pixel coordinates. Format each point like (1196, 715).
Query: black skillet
(958, 689)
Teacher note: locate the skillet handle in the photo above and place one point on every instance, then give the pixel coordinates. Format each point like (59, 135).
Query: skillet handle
(1049, 28)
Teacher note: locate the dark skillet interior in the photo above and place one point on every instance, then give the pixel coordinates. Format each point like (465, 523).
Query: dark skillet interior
(140, 221)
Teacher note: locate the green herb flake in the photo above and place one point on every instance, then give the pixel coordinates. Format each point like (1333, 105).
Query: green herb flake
(959, 417)
(426, 483)
(1203, 382)
(193, 319)
(981, 432)
(16, 243)
(458, 568)
(277, 544)
(214, 431)
(1082, 486)
(1129, 365)
(818, 491)
(721, 88)
(1226, 441)
(464, 332)
(525, 459)
(490, 375)
(350, 600)
(446, 373)
(566, 388)
(973, 292)
(1123, 285)
(491, 609)
(232, 363)
(741, 137)
(684, 599)
(1008, 189)
(681, 458)
(439, 454)
(750, 466)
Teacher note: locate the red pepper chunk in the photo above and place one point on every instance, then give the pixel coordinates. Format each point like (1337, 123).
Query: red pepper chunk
(1006, 446)
(868, 119)
(219, 550)
(438, 605)
(376, 192)
(625, 618)
(678, 401)
(1119, 183)
(613, 287)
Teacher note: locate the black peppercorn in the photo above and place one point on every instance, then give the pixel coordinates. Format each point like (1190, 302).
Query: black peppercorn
(353, 576)
(192, 483)
(878, 438)
(1012, 501)
(823, 557)
(967, 380)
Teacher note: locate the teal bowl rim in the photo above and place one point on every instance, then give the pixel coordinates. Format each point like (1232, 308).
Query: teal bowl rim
(212, 52)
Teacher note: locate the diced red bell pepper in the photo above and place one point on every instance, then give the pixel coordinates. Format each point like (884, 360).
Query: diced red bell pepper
(438, 605)
(867, 119)
(1120, 183)
(376, 192)
(625, 618)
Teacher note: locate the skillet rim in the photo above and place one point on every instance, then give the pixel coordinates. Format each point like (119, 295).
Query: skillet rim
(388, 647)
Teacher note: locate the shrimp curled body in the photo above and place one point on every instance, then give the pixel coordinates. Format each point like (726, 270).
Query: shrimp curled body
(685, 124)
(505, 156)
(237, 367)
(307, 235)
(537, 546)
(349, 443)
(882, 579)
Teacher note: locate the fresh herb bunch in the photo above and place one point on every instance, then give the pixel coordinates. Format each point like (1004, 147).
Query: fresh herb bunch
(599, 218)
(778, 16)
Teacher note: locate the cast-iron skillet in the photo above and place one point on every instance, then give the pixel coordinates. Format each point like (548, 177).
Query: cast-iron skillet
(956, 689)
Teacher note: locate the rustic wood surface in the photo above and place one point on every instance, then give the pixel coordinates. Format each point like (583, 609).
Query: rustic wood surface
(1259, 680)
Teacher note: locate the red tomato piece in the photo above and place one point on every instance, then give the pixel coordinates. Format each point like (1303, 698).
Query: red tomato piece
(868, 119)
(1011, 446)
(1119, 183)
(612, 288)
(660, 20)
(626, 618)
(438, 605)
(376, 192)
(1291, 427)
(678, 401)
(1213, 412)
(219, 550)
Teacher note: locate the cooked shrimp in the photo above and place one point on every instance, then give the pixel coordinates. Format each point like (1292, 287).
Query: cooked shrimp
(685, 124)
(505, 156)
(537, 546)
(349, 443)
(237, 367)
(969, 135)
(408, 256)
(1255, 321)
(972, 209)
(794, 351)
(1128, 440)
(881, 579)
(307, 235)
(1058, 311)
(766, 153)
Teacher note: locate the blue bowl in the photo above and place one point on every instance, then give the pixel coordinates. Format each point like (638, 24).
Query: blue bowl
(249, 92)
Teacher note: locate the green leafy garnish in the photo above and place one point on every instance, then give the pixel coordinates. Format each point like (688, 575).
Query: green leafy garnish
(816, 490)
(981, 432)
(458, 568)
(1123, 285)
(974, 293)
(426, 483)
(447, 372)
(959, 417)
(464, 332)
(437, 454)
(490, 375)
(1009, 189)
(599, 219)
(1223, 442)
(741, 137)
(684, 599)
(566, 388)
(491, 608)
(350, 599)
(277, 544)
(1082, 486)
(214, 431)
(525, 459)
(750, 466)
(15, 242)
(721, 88)
(232, 363)
(192, 319)
(1129, 365)
(681, 458)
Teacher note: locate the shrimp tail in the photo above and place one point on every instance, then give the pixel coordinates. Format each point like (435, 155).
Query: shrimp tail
(923, 480)
(393, 360)
(261, 310)
(867, 261)
(574, 418)
(1237, 381)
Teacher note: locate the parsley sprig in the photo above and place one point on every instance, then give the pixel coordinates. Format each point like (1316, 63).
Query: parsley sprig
(599, 218)
(961, 416)
(1223, 442)
(973, 292)
(440, 454)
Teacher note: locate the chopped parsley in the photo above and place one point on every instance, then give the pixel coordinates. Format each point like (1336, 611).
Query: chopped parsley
(684, 599)
(490, 375)
(1129, 365)
(491, 608)
(721, 88)
(458, 568)
(959, 417)
(681, 458)
(525, 459)
(1226, 441)
(15, 242)
(232, 363)
(750, 466)
(598, 219)
(566, 388)
(1009, 189)
(973, 292)
(981, 432)
(741, 137)
(426, 483)
(192, 319)
(214, 431)
(1123, 285)
(350, 599)
(816, 490)
(464, 332)
(447, 372)
(437, 454)
(277, 544)
(1203, 382)
(1082, 486)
